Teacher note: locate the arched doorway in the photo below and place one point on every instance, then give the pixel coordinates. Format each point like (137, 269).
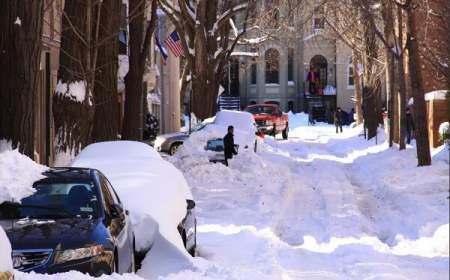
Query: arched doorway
(317, 75)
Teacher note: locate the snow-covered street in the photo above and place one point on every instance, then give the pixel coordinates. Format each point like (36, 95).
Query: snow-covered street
(317, 206)
(322, 206)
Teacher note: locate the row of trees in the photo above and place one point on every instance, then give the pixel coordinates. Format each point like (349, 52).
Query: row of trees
(387, 41)
(383, 35)
(85, 105)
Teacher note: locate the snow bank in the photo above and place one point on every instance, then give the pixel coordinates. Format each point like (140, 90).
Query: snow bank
(17, 174)
(437, 95)
(5, 255)
(149, 187)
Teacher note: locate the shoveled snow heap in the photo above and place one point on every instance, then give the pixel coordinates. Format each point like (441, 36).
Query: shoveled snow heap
(17, 175)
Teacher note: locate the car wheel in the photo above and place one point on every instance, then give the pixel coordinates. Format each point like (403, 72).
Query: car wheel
(274, 131)
(174, 148)
(286, 132)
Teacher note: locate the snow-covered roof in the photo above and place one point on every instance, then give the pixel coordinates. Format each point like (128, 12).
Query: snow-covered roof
(437, 95)
(250, 54)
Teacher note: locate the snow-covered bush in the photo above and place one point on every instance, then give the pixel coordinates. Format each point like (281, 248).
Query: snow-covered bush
(444, 132)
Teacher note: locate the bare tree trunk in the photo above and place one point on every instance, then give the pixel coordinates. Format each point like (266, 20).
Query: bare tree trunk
(106, 117)
(371, 82)
(388, 18)
(358, 91)
(401, 82)
(20, 44)
(73, 115)
(139, 52)
(420, 112)
(396, 114)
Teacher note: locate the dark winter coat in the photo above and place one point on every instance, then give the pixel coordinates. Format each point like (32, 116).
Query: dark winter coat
(338, 117)
(229, 147)
(409, 122)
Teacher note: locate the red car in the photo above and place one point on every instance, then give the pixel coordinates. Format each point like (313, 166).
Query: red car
(270, 119)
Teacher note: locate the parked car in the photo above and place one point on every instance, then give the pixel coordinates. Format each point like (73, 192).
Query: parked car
(244, 127)
(169, 143)
(73, 221)
(149, 185)
(270, 119)
(217, 147)
(6, 268)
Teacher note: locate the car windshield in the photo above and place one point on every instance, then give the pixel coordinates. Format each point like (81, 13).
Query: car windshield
(260, 110)
(55, 201)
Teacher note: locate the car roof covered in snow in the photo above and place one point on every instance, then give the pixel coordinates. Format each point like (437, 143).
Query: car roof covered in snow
(238, 119)
(117, 149)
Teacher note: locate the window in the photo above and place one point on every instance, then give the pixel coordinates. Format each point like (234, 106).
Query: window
(350, 74)
(290, 64)
(56, 200)
(272, 58)
(273, 13)
(319, 23)
(319, 18)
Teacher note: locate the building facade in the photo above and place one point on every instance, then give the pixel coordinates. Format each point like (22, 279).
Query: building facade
(48, 71)
(303, 67)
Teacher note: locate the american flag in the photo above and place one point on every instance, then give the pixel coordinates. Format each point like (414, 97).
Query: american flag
(174, 44)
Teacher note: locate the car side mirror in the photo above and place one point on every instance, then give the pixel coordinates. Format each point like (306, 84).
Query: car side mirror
(190, 204)
(116, 211)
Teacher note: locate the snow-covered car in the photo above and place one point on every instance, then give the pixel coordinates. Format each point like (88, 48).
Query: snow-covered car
(169, 143)
(244, 127)
(6, 267)
(73, 221)
(155, 192)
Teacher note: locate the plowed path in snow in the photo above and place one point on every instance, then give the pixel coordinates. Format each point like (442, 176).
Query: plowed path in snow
(322, 206)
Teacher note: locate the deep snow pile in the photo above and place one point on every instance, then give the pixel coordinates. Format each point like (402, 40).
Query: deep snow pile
(321, 206)
(17, 175)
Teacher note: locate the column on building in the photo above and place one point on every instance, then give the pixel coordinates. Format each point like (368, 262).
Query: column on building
(300, 70)
(283, 64)
(261, 77)
(243, 70)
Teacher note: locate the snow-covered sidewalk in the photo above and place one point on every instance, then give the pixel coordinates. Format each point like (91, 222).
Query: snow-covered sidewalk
(321, 206)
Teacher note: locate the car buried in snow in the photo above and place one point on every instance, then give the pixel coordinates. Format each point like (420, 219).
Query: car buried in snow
(73, 221)
(152, 188)
(270, 119)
